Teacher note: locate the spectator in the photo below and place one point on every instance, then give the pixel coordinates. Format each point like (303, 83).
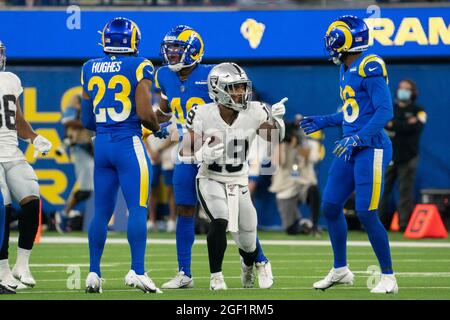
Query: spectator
(404, 129)
(79, 141)
(296, 182)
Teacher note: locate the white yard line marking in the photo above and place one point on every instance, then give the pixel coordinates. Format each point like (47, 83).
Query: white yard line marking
(321, 243)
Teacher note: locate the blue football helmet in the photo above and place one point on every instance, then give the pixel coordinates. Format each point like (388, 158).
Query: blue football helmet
(182, 47)
(2, 56)
(121, 35)
(346, 34)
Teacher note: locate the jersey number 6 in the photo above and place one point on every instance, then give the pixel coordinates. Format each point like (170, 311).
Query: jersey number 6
(350, 107)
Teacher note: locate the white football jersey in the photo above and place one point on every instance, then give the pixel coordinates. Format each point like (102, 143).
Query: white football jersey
(10, 91)
(237, 138)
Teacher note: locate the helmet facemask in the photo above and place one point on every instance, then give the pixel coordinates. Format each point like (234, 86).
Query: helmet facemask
(234, 95)
(170, 49)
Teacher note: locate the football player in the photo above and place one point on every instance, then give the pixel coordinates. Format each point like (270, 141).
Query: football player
(116, 101)
(364, 151)
(17, 179)
(183, 84)
(220, 135)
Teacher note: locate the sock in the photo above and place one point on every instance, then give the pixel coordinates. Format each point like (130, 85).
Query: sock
(23, 257)
(378, 238)
(185, 236)
(249, 257)
(337, 229)
(137, 238)
(97, 238)
(6, 227)
(261, 257)
(28, 224)
(217, 244)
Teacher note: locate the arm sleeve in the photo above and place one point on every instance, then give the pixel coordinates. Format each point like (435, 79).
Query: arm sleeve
(380, 95)
(87, 114)
(17, 84)
(335, 119)
(159, 85)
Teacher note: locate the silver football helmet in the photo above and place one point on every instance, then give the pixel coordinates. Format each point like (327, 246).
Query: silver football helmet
(223, 82)
(2, 56)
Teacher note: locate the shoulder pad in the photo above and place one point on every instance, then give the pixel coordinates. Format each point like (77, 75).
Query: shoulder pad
(140, 69)
(371, 66)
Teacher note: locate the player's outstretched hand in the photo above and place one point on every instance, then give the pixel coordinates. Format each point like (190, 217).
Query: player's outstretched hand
(345, 147)
(313, 123)
(41, 145)
(163, 130)
(278, 109)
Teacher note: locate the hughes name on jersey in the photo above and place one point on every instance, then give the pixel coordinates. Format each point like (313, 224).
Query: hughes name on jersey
(206, 121)
(10, 91)
(111, 83)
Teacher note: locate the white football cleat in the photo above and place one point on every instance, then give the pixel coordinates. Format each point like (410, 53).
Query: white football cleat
(142, 282)
(335, 277)
(180, 281)
(93, 283)
(6, 289)
(7, 279)
(24, 275)
(217, 282)
(387, 284)
(265, 277)
(247, 275)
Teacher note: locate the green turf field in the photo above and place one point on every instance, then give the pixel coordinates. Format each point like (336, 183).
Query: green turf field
(422, 267)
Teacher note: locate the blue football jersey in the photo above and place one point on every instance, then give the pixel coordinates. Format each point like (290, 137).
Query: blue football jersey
(110, 83)
(183, 95)
(364, 92)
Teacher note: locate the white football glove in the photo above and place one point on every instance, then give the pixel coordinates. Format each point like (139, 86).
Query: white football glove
(209, 154)
(278, 109)
(41, 145)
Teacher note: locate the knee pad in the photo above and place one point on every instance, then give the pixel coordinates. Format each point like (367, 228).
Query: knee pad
(331, 210)
(82, 195)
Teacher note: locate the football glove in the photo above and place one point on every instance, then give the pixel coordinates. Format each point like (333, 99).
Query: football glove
(278, 109)
(163, 130)
(209, 154)
(345, 147)
(41, 145)
(313, 123)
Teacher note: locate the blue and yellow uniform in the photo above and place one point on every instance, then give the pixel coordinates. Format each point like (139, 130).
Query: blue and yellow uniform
(120, 157)
(367, 106)
(181, 97)
(365, 150)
